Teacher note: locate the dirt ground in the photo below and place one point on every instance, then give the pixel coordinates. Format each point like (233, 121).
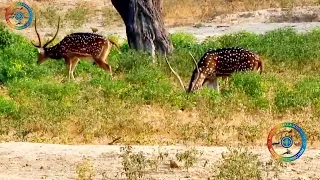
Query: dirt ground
(21, 160)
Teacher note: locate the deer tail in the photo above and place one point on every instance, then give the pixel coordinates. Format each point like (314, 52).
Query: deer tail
(115, 44)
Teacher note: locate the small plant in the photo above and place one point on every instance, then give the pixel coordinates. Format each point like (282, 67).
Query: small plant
(134, 165)
(273, 166)
(79, 15)
(157, 159)
(189, 157)
(239, 164)
(84, 170)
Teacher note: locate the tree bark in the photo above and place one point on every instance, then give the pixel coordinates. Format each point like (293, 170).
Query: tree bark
(144, 25)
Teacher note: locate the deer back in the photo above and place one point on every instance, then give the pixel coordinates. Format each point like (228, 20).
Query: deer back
(82, 44)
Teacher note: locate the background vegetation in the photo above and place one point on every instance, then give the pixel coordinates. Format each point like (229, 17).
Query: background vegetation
(144, 104)
(176, 13)
(188, 11)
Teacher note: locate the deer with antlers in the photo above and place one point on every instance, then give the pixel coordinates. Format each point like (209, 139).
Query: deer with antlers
(90, 46)
(223, 63)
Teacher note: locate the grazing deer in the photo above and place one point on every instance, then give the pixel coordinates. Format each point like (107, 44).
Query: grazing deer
(220, 63)
(74, 46)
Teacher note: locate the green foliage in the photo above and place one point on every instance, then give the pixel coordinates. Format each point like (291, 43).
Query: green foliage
(249, 83)
(44, 90)
(281, 45)
(46, 104)
(6, 106)
(6, 38)
(242, 39)
(188, 157)
(18, 58)
(182, 40)
(309, 87)
(305, 92)
(240, 164)
(44, 99)
(132, 60)
(134, 164)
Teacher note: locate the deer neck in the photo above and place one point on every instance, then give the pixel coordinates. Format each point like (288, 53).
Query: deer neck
(53, 52)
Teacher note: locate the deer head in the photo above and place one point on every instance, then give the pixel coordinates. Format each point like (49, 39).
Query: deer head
(196, 78)
(42, 56)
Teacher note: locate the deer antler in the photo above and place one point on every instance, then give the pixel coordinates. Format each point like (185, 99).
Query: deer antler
(195, 62)
(35, 27)
(176, 74)
(47, 43)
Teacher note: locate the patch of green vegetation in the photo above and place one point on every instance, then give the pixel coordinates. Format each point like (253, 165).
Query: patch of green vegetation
(18, 58)
(281, 45)
(97, 106)
(182, 39)
(6, 106)
(305, 93)
(188, 157)
(240, 164)
(134, 164)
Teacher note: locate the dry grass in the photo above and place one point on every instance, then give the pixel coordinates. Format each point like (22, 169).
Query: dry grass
(176, 13)
(288, 16)
(185, 12)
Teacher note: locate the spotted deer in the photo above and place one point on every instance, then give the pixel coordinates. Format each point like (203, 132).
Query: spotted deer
(223, 63)
(71, 48)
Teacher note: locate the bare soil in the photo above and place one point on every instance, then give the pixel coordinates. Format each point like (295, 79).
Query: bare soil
(22, 160)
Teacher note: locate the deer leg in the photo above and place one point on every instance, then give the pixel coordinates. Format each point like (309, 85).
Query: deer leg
(102, 61)
(104, 66)
(213, 84)
(73, 66)
(68, 66)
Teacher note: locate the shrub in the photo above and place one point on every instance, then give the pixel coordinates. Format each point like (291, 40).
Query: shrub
(6, 106)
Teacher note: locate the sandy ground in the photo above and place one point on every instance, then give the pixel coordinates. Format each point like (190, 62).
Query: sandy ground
(20, 160)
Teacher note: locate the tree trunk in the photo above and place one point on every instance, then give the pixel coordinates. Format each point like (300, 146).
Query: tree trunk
(144, 25)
